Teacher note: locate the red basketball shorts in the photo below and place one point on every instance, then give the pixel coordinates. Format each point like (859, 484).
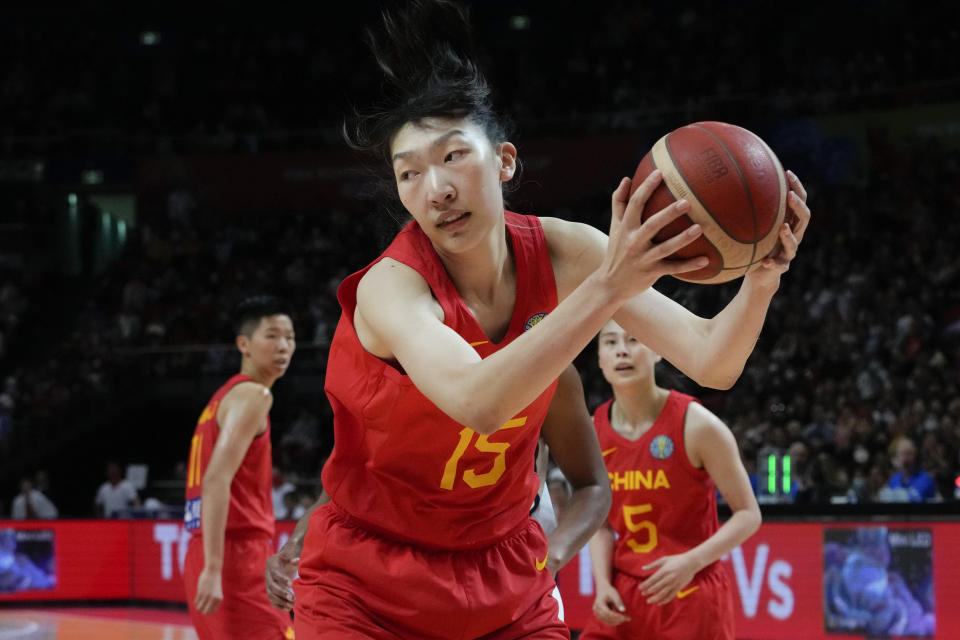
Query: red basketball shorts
(245, 611)
(705, 611)
(356, 584)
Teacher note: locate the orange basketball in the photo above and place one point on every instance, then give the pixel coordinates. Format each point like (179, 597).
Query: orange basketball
(737, 192)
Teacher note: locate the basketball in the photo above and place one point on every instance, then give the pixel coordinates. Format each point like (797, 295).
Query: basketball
(737, 192)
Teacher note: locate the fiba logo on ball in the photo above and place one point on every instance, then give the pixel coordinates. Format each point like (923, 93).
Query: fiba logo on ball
(713, 167)
(736, 189)
(661, 447)
(534, 321)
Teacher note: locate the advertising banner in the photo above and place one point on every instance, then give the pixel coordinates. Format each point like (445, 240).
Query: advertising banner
(793, 581)
(835, 581)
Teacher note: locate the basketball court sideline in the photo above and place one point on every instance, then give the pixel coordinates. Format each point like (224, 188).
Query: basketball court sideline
(95, 624)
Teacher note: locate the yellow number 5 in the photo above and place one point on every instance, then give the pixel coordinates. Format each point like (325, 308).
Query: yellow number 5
(628, 513)
(473, 479)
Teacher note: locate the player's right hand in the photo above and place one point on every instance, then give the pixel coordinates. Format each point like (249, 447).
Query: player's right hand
(608, 606)
(209, 591)
(280, 572)
(634, 260)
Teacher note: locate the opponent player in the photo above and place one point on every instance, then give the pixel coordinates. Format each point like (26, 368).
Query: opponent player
(445, 358)
(666, 456)
(229, 509)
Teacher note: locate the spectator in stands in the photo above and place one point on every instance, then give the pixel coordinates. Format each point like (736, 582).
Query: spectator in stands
(280, 488)
(292, 509)
(918, 484)
(31, 504)
(116, 495)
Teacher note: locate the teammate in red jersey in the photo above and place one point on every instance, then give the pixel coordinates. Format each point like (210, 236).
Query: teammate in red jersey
(229, 509)
(445, 358)
(666, 456)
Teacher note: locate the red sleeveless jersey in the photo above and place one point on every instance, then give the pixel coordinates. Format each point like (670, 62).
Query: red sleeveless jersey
(401, 466)
(251, 504)
(662, 505)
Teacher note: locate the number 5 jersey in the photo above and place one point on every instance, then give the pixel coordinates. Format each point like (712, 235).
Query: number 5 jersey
(662, 505)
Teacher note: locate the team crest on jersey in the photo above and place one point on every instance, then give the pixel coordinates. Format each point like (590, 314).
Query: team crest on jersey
(534, 321)
(661, 447)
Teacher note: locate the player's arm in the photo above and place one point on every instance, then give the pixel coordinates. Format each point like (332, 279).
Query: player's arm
(710, 444)
(282, 566)
(398, 319)
(572, 441)
(242, 416)
(607, 605)
(710, 351)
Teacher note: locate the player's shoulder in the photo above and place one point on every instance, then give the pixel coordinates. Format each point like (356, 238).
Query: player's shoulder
(565, 235)
(704, 431)
(575, 250)
(389, 276)
(248, 394)
(699, 417)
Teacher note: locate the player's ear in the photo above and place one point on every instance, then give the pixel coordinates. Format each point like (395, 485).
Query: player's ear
(243, 344)
(507, 155)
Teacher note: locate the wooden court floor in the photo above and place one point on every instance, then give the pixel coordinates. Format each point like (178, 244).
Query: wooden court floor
(94, 624)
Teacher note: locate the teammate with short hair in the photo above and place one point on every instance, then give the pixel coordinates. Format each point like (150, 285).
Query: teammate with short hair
(656, 562)
(229, 507)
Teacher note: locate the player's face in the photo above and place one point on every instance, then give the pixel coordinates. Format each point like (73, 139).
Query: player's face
(272, 344)
(448, 177)
(622, 357)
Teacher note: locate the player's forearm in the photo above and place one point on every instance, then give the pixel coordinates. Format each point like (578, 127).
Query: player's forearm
(578, 522)
(498, 387)
(294, 545)
(740, 526)
(601, 555)
(733, 335)
(215, 508)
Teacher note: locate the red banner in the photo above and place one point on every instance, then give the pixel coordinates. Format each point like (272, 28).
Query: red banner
(779, 576)
(64, 560)
(793, 580)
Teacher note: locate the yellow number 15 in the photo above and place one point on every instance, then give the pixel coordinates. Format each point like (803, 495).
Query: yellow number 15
(473, 479)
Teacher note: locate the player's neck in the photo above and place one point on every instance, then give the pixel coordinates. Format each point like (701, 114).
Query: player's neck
(481, 272)
(636, 408)
(247, 368)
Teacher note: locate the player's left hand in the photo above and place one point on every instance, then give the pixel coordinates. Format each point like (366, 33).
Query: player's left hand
(673, 573)
(209, 591)
(279, 574)
(795, 224)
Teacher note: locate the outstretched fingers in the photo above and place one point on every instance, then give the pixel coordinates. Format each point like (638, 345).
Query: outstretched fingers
(618, 204)
(633, 213)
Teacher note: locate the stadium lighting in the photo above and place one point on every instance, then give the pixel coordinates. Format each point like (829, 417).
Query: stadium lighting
(91, 176)
(519, 23)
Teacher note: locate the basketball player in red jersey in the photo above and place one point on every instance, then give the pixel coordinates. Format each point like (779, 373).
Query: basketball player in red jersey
(229, 509)
(568, 433)
(666, 456)
(447, 352)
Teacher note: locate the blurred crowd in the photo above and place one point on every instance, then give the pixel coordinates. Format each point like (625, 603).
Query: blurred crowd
(87, 80)
(856, 374)
(860, 353)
